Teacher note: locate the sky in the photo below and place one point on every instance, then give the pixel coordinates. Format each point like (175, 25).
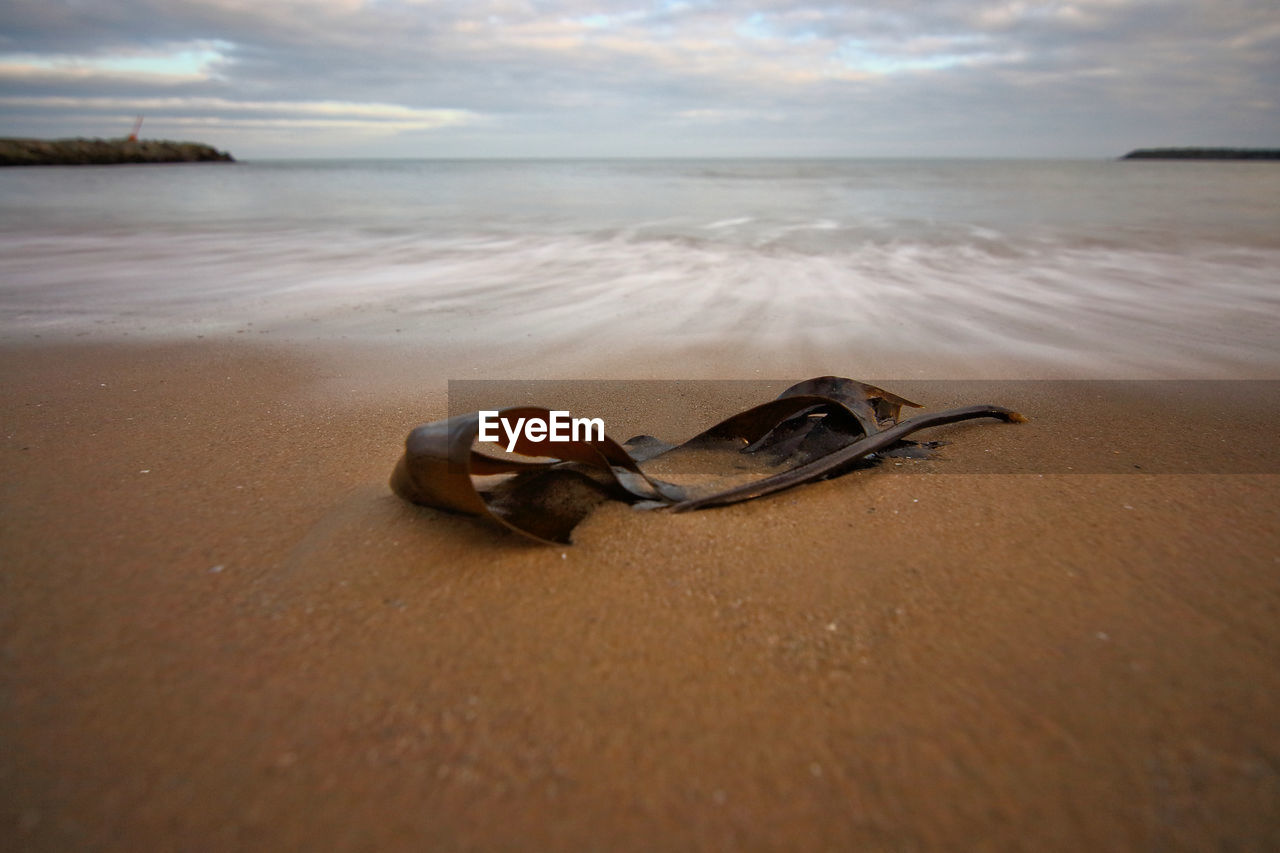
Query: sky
(572, 78)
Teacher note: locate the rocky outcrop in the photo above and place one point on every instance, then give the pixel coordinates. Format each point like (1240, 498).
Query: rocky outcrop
(84, 152)
(1203, 154)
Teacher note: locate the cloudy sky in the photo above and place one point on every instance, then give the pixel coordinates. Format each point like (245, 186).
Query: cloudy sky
(315, 78)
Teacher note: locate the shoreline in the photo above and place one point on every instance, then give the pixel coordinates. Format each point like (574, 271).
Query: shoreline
(220, 625)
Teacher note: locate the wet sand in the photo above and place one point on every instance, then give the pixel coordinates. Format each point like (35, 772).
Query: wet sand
(220, 630)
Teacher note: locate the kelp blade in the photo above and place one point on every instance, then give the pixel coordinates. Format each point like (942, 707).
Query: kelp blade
(813, 430)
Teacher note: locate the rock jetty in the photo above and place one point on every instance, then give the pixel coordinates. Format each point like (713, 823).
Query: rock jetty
(1203, 154)
(85, 152)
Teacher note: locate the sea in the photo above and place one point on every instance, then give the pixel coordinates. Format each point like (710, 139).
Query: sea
(1080, 268)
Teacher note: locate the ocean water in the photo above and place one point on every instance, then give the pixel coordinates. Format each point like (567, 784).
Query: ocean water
(1033, 268)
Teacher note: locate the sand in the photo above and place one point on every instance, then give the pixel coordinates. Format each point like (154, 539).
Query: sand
(221, 631)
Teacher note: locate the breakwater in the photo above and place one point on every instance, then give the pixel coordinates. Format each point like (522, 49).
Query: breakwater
(1203, 154)
(85, 152)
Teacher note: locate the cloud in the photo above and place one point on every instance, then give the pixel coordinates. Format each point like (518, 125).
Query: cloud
(301, 113)
(573, 77)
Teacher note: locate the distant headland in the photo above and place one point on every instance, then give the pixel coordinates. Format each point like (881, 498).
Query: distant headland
(1203, 154)
(97, 152)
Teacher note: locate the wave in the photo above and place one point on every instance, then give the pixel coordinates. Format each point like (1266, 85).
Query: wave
(1098, 306)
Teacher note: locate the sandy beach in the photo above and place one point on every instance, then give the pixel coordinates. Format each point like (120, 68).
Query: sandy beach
(222, 631)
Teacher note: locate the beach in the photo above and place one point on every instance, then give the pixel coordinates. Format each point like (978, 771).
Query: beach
(222, 630)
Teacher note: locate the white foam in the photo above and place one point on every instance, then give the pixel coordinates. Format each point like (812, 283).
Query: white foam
(1098, 309)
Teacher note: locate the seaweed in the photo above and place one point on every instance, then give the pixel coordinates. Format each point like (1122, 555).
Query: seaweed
(814, 430)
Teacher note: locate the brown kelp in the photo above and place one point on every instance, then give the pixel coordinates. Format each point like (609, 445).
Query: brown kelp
(815, 429)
